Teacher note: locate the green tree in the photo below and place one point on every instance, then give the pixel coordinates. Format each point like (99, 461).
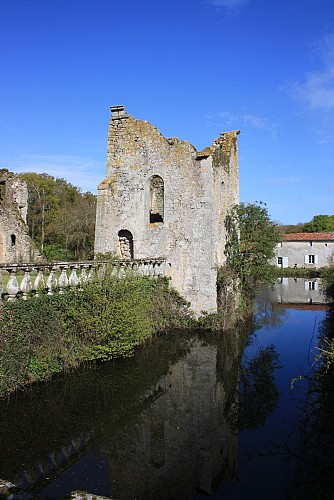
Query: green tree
(319, 224)
(61, 218)
(252, 237)
(291, 228)
(41, 200)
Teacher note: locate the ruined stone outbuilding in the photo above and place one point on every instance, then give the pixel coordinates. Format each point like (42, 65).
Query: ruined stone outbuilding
(163, 198)
(15, 242)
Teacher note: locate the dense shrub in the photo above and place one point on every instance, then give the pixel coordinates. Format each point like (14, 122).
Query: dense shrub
(103, 319)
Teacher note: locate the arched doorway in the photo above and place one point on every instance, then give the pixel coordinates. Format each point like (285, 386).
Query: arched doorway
(125, 244)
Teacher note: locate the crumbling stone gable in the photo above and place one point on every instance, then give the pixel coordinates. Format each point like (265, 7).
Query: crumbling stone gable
(170, 201)
(15, 242)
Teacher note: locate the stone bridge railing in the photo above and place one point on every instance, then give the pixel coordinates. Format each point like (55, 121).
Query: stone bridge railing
(57, 277)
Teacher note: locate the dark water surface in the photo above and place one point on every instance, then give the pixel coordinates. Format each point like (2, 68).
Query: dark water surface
(190, 415)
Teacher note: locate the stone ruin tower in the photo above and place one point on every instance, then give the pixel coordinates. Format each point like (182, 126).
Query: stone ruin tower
(163, 199)
(15, 242)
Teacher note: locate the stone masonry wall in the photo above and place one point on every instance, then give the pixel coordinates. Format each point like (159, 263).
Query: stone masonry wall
(15, 242)
(198, 188)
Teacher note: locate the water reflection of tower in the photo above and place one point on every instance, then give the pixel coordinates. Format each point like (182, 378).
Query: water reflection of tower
(185, 439)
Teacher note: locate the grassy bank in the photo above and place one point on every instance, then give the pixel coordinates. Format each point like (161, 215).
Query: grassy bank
(106, 318)
(290, 272)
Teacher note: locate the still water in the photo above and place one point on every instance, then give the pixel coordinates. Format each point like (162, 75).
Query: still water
(190, 415)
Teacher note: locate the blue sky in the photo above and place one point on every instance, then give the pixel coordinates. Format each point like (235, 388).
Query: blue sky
(193, 68)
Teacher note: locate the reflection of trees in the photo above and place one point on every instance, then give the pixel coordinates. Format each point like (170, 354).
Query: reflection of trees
(268, 315)
(258, 392)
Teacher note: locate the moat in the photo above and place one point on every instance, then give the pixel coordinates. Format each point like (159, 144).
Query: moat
(190, 415)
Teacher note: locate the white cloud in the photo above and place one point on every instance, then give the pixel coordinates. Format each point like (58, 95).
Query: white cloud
(255, 121)
(229, 117)
(260, 123)
(283, 180)
(318, 88)
(84, 173)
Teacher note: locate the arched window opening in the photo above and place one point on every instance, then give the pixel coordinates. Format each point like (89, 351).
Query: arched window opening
(156, 199)
(125, 242)
(13, 240)
(2, 191)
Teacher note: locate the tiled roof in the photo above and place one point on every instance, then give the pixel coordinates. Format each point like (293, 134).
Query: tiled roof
(306, 307)
(308, 237)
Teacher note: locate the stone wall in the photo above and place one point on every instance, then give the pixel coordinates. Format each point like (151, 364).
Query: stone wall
(170, 200)
(15, 242)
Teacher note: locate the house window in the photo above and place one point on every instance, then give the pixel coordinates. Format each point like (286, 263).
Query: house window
(310, 259)
(280, 261)
(125, 244)
(311, 285)
(12, 240)
(156, 199)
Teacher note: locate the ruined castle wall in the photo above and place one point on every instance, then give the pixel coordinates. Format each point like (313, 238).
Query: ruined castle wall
(15, 242)
(186, 229)
(226, 187)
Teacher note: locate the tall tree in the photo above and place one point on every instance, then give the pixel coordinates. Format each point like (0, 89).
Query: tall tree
(61, 218)
(252, 240)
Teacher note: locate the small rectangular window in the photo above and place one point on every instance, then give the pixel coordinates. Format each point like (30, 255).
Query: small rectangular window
(2, 191)
(311, 259)
(280, 261)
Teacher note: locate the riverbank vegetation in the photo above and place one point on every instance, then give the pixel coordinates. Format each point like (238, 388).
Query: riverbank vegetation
(102, 319)
(251, 240)
(327, 349)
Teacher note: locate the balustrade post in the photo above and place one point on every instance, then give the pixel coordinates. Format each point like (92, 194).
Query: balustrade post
(39, 283)
(51, 282)
(73, 279)
(26, 284)
(63, 280)
(83, 275)
(91, 272)
(146, 269)
(12, 285)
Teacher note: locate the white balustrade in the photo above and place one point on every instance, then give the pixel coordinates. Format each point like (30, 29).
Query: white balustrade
(71, 276)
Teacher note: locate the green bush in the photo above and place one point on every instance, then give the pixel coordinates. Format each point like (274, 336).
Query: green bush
(104, 318)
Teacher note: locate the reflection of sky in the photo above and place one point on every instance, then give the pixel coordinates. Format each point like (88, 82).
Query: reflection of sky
(266, 476)
(89, 473)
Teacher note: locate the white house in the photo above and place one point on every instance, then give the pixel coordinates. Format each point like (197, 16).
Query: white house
(308, 250)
